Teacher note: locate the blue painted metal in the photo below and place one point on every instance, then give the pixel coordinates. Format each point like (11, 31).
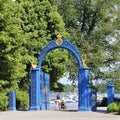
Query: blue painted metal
(47, 91)
(65, 45)
(42, 97)
(94, 100)
(88, 98)
(35, 89)
(83, 81)
(110, 93)
(83, 77)
(12, 100)
(47, 94)
(44, 91)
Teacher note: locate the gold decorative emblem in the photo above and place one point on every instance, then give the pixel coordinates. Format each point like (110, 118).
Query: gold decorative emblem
(59, 40)
(84, 61)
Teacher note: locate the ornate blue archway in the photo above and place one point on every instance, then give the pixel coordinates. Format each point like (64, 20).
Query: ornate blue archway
(83, 75)
(65, 44)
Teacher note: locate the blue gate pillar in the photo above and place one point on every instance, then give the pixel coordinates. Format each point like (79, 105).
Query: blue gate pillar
(12, 100)
(83, 79)
(88, 98)
(35, 89)
(110, 93)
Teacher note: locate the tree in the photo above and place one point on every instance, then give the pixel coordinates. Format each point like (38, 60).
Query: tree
(55, 64)
(94, 32)
(41, 23)
(12, 52)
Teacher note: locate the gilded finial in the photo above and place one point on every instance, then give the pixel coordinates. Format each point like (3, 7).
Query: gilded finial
(84, 61)
(33, 65)
(59, 40)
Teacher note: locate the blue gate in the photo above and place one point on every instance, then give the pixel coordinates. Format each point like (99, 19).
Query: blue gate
(44, 91)
(94, 100)
(40, 86)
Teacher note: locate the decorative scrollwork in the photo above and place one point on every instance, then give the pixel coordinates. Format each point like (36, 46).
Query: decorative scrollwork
(60, 43)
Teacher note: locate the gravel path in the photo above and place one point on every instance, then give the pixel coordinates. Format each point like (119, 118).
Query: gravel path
(100, 114)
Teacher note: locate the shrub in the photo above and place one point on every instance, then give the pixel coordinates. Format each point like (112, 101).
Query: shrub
(22, 99)
(3, 101)
(113, 107)
(119, 107)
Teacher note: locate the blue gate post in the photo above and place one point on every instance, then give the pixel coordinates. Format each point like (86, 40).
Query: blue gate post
(12, 100)
(83, 79)
(88, 98)
(110, 93)
(35, 89)
(94, 100)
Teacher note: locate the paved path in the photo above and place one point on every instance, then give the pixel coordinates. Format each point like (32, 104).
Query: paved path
(58, 115)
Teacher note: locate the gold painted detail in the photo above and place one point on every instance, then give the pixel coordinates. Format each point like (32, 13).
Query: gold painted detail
(59, 40)
(33, 65)
(45, 90)
(84, 61)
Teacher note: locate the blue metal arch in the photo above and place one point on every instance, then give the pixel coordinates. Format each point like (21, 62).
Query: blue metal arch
(66, 44)
(84, 99)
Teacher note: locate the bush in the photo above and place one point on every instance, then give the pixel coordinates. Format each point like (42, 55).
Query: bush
(3, 101)
(119, 109)
(22, 100)
(113, 107)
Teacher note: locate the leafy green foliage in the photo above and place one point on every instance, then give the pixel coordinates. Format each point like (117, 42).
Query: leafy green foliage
(70, 88)
(25, 28)
(12, 53)
(114, 107)
(3, 102)
(55, 65)
(96, 34)
(22, 102)
(57, 87)
(40, 23)
(100, 86)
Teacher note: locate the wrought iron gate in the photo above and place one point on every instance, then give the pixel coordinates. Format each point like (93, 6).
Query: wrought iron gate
(44, 91)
